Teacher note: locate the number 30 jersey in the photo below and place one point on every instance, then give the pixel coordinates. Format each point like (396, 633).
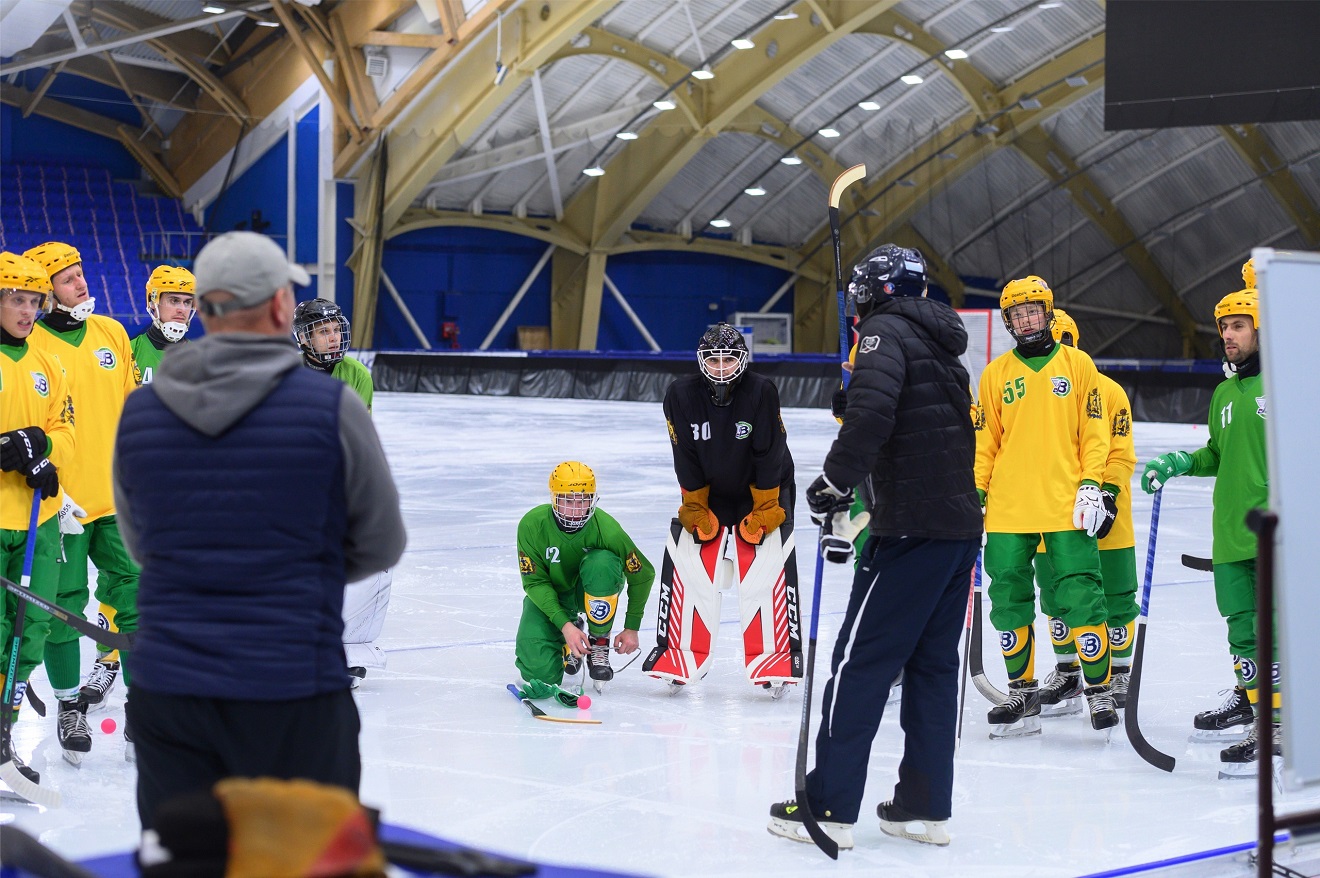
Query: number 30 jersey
(1040, 432)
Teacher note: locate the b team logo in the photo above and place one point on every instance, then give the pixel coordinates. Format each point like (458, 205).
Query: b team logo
(1059, 630)
(1090, 645)
(1060, 386)
(41, 384)
(1260, 407)
(601, 610)
(1118, 637)
(1008, 641)
(106, 358)
(1249, 671)
(742, 430)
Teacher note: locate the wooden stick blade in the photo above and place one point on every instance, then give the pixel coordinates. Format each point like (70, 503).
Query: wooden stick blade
(843, 181)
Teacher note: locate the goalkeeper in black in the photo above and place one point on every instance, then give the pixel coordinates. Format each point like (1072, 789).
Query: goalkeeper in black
(905, 428)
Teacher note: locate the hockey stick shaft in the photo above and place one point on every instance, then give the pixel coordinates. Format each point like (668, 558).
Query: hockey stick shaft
(90, 630)
(842, 182)
(8, 770)
(967, 650)
(1131, 725)
(976, 662)
(818, 835)
(538, 713)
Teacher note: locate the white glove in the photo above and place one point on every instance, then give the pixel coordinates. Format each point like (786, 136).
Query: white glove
(836, 540)
(69, 514)
(1089, 510)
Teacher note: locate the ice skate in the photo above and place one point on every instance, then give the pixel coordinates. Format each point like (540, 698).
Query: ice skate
(598, 661)
(130, 749)
(1104, 714)
(900, 824)
(356, 676)
(673, 687)
(1241, 760)
(1119, 679)
(1061, 695)
(1019, 716)
(99, 683)
(74, 734)
(786, 822)
(7, 754)
(1226, 723)
(776, 690)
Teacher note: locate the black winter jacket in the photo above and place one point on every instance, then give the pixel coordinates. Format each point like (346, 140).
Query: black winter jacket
(908, 423)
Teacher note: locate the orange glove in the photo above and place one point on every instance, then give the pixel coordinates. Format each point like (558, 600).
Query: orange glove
(766, 515)
(696, 517)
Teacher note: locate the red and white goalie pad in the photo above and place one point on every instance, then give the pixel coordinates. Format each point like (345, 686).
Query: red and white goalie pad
(365, 604)
(689, 615)
(768, 606)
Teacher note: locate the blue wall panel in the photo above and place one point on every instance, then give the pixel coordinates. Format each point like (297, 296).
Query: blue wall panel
(38, 139)
(261, 187)
(306, 186)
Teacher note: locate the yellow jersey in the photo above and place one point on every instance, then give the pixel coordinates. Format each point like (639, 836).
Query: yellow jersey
(98, 366)
(1120, 463)
(1040, 432)
(33, 393)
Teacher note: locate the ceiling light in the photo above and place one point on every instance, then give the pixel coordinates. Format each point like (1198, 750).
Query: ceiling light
(828, 132)
(1050, 5)
(869, 106)
(213, 9)
(754, 191)
(720, 223)
(786, 16)
(742, 43)
(912, 79)
(1002, 29)
(1077, 81)
(263, 23)
(596, 171)
(703, 72)
(626, 135)
(948, 154)
(1030, 104)
(955, 54)
(664, 104)
(790, 160)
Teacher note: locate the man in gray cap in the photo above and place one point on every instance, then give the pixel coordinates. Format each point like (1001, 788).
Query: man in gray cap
(278, 495)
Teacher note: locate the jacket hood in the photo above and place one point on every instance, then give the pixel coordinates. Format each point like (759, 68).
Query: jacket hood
(939, 321)
(212, 383)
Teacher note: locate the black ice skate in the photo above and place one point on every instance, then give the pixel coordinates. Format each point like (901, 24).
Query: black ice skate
(1242, 759)
(786, 822)
(776, 690)
(1227, 722)
(1119, 678)
(1104, 713)
(598, 661)
(900, 824)
(7, 754)
(1062, 693)
(1019, 716)
(355, 676)
(99, 683)
(130, 749)
(74, 734)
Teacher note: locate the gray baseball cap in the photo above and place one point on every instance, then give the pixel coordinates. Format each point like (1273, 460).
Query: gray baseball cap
(250, 266)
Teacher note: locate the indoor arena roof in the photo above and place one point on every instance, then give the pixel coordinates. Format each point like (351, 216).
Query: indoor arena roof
(718, 125)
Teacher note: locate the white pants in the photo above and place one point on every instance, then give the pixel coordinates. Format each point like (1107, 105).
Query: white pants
(365, 604)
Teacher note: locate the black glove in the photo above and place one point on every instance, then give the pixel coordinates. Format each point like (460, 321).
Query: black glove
(1110, 502)
(824, 499)
(41, 476)
(21, 448)
(838, 403)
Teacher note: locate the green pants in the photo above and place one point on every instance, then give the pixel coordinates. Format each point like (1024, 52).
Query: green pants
(116, 585)
(1118, 575)
(45, 578)
(1075, 560)
(539, 648)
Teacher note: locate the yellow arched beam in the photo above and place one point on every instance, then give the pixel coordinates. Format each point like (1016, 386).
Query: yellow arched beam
(462, 96)
(552, 232)
(1257, 151)
(663, 69)
(606, 207)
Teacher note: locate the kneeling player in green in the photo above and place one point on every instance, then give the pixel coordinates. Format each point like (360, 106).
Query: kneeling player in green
(574, 560)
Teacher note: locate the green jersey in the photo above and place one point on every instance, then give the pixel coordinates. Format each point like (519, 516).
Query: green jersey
(549, 558)
(356, 376)
(1235, 456)
(146, 356)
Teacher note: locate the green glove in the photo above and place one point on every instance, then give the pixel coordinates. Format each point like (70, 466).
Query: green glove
(1162, 468)
(980, 495)
(536, 690)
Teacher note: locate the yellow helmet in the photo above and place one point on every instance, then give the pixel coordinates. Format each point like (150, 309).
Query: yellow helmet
(1065, 325)
(54, 257)
(22, 273)
(572, 481)
(1018, 292)
(169, 279)
(1249, 274)
(1246, 302)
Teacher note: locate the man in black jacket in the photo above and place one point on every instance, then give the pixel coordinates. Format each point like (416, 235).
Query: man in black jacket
(907, 428)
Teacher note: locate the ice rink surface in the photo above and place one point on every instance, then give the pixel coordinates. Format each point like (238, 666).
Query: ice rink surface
(681, 786)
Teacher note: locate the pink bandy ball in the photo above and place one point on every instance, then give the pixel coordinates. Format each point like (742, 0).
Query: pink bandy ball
(108, 726)
(584, 702)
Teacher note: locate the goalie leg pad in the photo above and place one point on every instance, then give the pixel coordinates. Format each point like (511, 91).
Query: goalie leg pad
(365, 604)
(689, 615)
(769, 607)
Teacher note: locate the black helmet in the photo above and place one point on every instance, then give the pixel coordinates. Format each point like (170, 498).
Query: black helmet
(889, 270)
(721, 341)
(310, 316)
